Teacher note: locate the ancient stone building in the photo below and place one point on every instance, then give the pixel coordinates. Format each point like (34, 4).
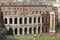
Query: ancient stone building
(29, 17)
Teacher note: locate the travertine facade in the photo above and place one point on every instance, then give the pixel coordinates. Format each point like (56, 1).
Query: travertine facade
(29, 18)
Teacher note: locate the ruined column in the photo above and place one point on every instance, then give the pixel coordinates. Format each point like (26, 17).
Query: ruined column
(41, 24)
(52, 22)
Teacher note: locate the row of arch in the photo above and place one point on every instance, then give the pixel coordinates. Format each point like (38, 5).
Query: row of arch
(26, 30)
(21, 20)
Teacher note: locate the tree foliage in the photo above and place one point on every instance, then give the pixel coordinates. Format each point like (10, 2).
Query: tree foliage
(3, 30)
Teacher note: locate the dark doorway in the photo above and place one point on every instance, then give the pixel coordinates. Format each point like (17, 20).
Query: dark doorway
(30, 20)
(39, 29)
(34, 30)
(30, 30)
(42, 29)
(15, 21)
(25, 31)
(5, 20)
(10, 21)
(20, 21)
(20, 30)
(25, 21)
(15, 30)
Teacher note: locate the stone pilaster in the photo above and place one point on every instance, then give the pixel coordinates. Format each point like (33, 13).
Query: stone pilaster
(27, 20)
(23, 31)
(7, 20)
(28, 31)
(18, 31)
(18, 21)
(13, 31)
(13, 20)
(22, 20)
(32, 20)
(41, 24)
(37, 30)
(32, 30)
(36, 20)
(52, 22)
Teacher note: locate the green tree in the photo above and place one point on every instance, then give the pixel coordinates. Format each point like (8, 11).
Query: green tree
(3, 30)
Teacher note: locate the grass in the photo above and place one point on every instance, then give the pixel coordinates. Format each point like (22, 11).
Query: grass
(45, 37)
(38, 37)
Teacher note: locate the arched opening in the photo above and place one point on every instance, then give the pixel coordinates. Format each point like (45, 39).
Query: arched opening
(46, 29)
(39, 29)
(25, 31)
(30, 30)
(20, 30)
(34, 30)
(20, 21)
(10, 32)
(38, 19)
(15, 30)
(34, 19)
(10, 21)
(42, 29)
(25, 21)
(42, 19)
(5, 20)
(30, 20)
(15, 21)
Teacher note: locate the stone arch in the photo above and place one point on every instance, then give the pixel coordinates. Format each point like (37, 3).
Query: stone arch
(38, 19)
(20, 31)
(30, 20)
(46, 29)
(43, 29)
(10, 20)
(30, 30)
(20, 20)
(34, 30)
(39, 29)
(15, 21)
(34, 19)
(5, 20)
(10, 31)
(15, 30)
(25, 20)
(25, 31)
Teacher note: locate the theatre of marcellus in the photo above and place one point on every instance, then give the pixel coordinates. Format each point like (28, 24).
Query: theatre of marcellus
(29, 17)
